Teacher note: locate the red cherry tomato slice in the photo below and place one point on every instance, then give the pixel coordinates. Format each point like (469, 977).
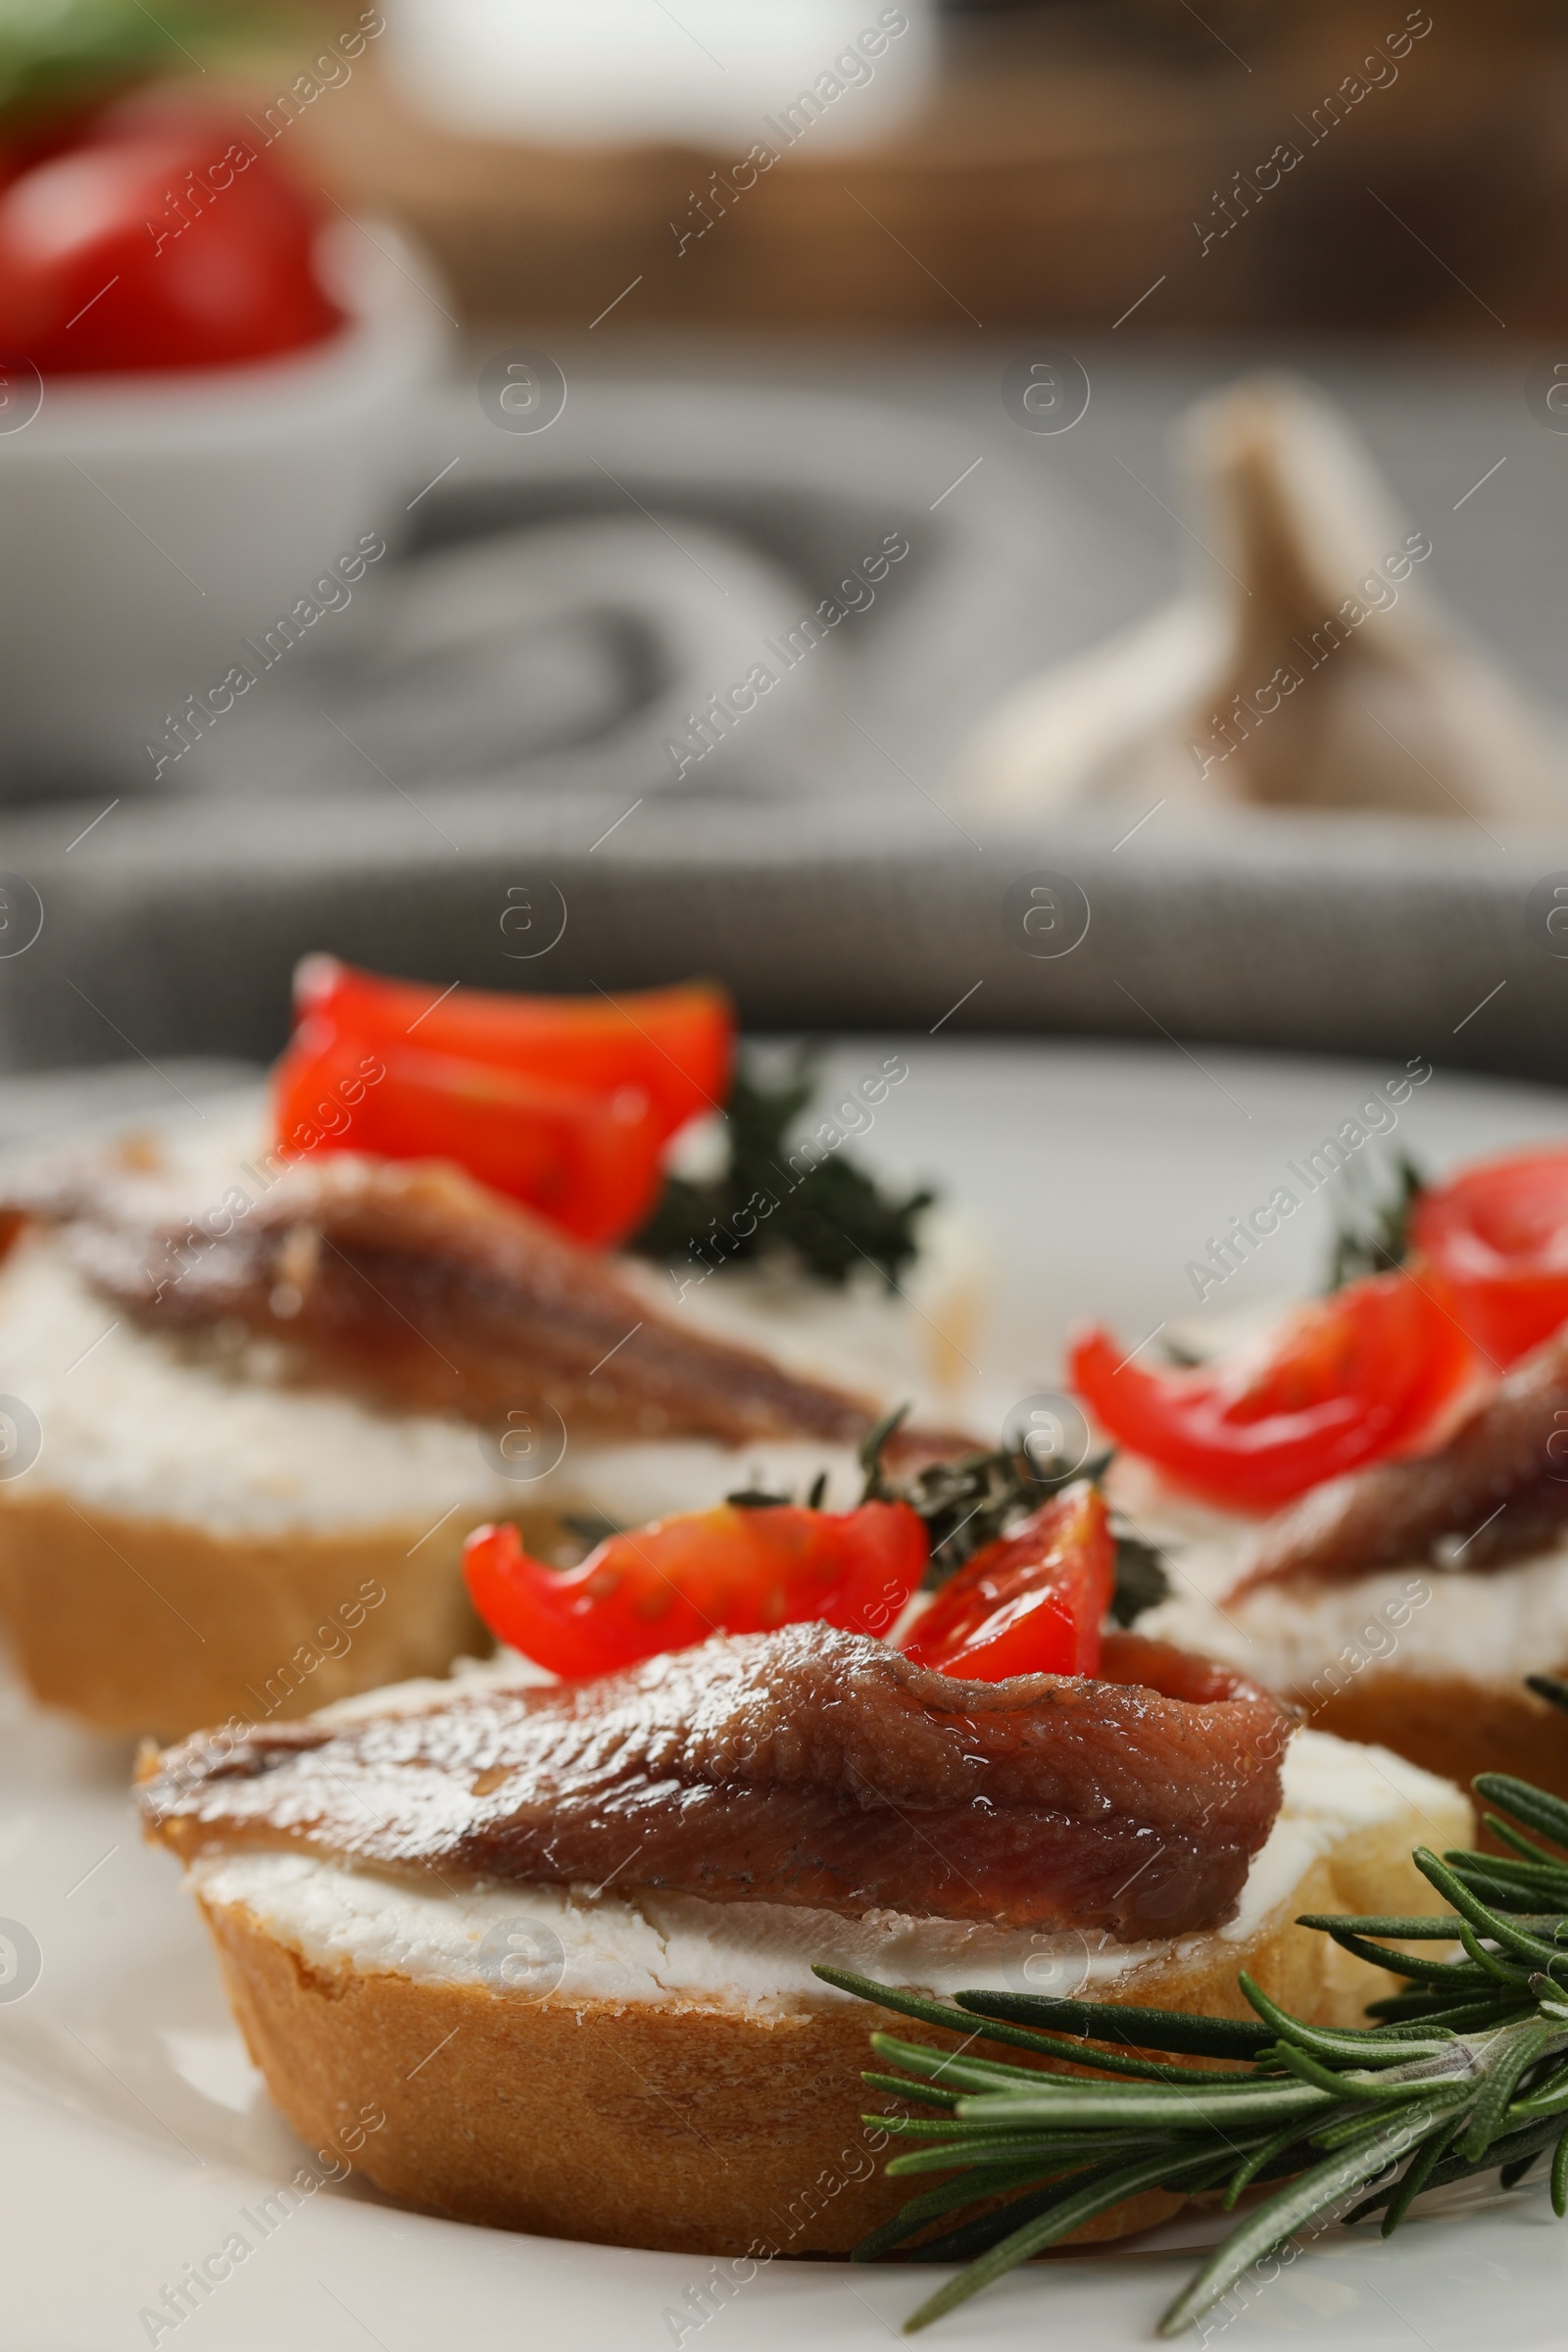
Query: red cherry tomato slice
(1350, 1380)
(319, 1085)
(1499, 1236)
(591, 1164)
(98, 275)
(1032, 1603)
(675, 1043)
(732, 1570)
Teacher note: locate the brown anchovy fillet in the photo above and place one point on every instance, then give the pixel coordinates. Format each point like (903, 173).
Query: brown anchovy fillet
(805, 1766)
(1495, 1491)
(410, 1279)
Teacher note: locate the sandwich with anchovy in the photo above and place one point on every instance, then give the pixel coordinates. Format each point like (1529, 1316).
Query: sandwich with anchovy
(1409, 1602)
(565, 1934)
(265, 1387)
(1364, 1505)
(263, 1440)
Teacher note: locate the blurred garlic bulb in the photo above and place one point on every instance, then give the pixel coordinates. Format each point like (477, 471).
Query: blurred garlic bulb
(1313, 670)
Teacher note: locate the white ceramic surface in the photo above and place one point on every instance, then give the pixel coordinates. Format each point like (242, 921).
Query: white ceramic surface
(153, 523)
(134, 2133)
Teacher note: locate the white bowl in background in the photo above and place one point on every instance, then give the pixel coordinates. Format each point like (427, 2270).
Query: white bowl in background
(153, 523)
(713, 74)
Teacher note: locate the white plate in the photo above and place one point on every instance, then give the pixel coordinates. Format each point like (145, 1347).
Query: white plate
(135, 2136)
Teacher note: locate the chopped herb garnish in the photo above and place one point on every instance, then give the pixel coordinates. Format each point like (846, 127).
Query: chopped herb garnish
(1142, 1579)
(591, 1526)
(783, 1193)
(968, 1503)
(964, 1503)
(1372, 1226)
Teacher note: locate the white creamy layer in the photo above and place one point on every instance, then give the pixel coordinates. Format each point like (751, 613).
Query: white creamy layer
(1491, 1625)
(150, 1425)
(141, 1425)
(657, 1947)
(864, 1336)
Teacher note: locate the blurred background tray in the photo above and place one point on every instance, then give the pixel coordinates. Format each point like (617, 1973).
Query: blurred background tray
(815, 866)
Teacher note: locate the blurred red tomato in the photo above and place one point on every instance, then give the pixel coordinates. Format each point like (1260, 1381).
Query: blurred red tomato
(169, 246)
(1497, 1234)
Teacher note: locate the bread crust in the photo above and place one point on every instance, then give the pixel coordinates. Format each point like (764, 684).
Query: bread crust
(141, 1624)
(1452, 1725)
(690, 2128)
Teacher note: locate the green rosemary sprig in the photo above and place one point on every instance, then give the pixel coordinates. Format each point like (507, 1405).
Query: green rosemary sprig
(1465, 2071)
(777, 1196)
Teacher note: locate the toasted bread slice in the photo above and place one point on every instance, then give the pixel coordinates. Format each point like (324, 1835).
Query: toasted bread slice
(138, 1622)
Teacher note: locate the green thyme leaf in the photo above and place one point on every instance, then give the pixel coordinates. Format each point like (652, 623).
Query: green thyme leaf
(780, 1195)
(967, 1504)
(1143, 1580)
(1372, 1222)
(591, 1528)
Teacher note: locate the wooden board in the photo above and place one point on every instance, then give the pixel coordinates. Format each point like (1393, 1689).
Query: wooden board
(1070, 165)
